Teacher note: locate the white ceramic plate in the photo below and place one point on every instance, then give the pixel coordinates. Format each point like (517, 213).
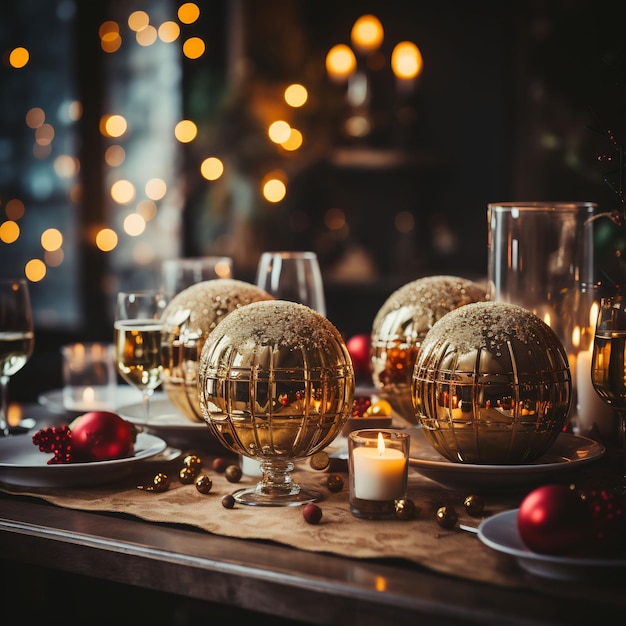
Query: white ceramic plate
(163, 414)
(567, 454)
(167, 422)
(500, 533)
(22, 464)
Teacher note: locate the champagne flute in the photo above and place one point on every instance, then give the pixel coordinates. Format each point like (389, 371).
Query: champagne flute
(294, 276)
(137, 341)
(17, 338)
(608, 364)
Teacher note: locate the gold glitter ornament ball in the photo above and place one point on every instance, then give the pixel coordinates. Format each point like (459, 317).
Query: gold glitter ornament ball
(491, 385)
(400, 327)
(187, 321)
(276, 381)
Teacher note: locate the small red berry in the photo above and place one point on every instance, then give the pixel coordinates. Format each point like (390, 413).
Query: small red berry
(312, 514)
(219, 464)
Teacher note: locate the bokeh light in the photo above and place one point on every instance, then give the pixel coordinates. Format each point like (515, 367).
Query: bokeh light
(35, 270)
(212, 168)
(194, 48)
(279, 131)
(294, 141)
(9, 231)
(406, 60)
(114, 156)
(185, 131)
(146, 36)
(156, 188)
(188, 13)
(169, 32)
(138, 20)
(340, 62)
(106, 240)
(367, 33)
(273, 189)
(14, 209)
(296, 95)
(134, 224)
(123, 191)
(19, 57)
(113, 125)
(51, 239)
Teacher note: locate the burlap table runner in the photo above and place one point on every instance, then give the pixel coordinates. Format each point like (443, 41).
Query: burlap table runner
(420, 540)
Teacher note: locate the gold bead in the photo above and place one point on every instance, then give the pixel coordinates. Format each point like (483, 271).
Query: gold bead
(474, 505)
(446, 517)
(334, 483)
(187, 475)
(160, 482)
(204, 483)
(405, 509)
(194, 462)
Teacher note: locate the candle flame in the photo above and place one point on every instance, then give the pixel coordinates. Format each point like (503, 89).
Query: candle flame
(381, 444)
(89, 394)
(576, 336)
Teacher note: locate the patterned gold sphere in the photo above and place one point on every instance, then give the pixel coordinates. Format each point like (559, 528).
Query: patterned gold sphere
(187, 321)
(400, 327)
(275, 381)
(491, 385)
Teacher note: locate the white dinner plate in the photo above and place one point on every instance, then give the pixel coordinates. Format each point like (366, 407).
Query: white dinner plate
(500, 533)
(568, 453)
(163, 415)
(167, 422)
(22, 464)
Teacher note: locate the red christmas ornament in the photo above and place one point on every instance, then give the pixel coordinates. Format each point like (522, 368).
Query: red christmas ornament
(101, 436)
(359, 349)
(554, 519)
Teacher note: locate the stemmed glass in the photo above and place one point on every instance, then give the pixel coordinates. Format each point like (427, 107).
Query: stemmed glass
(608, 364)
(293, 276)
(17, 337)
(137, 341)
(178, 274)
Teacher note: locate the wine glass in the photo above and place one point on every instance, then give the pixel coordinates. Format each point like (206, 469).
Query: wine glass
(178, 274)
(608, 364)
(293, 276)
(17, 338)
(137, 341)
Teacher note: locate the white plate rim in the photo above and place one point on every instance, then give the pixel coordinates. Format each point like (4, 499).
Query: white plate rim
(180, 421)
(505, 523)
(598, 450)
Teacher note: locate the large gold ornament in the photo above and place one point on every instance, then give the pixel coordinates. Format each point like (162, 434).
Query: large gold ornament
(400, 327)
(491, 385)
(276, 384)
(187, 321)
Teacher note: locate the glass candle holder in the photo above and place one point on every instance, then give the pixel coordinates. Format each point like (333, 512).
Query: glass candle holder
(89, 378)
(378, 468)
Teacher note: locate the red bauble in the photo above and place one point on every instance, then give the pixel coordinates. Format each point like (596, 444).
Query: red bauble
(359, 349)
(554, 519)
(101, 436)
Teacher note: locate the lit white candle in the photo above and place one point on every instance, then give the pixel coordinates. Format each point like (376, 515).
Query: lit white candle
(591, 408)
(379, 472)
